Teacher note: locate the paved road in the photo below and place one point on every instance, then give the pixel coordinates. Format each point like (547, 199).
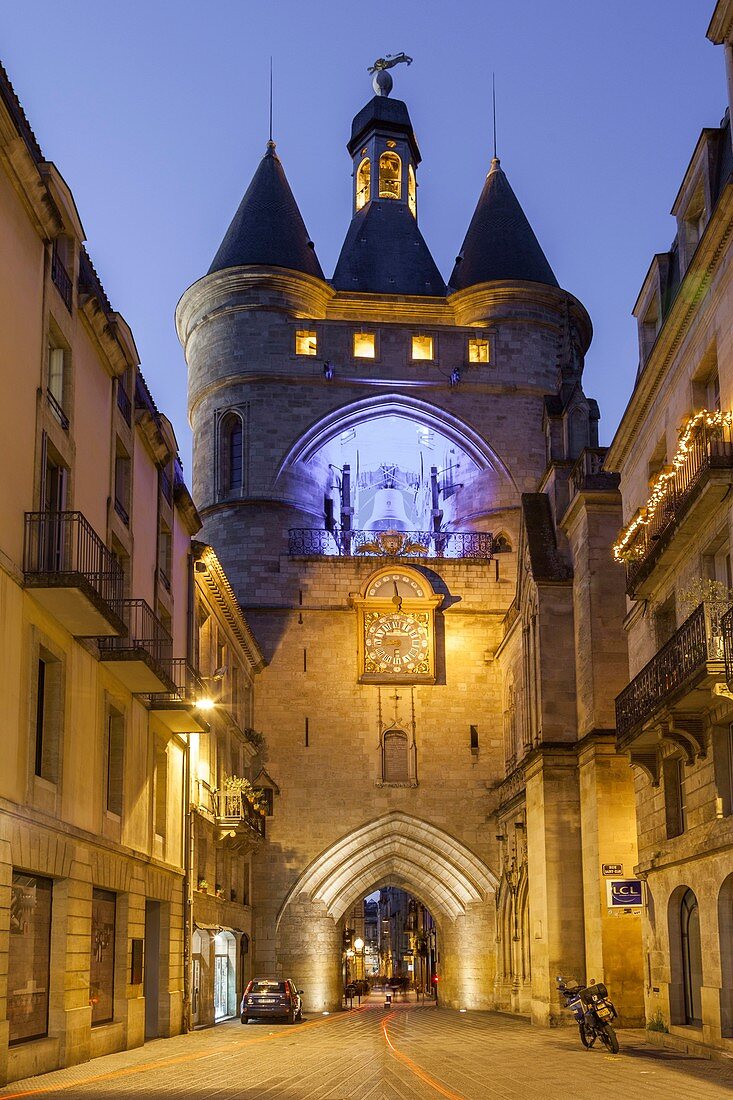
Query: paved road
(409, 1053)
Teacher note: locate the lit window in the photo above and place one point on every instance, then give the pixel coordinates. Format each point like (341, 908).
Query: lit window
(411, 190)
(363, 183)
(306, 342)
(478, 350)
(364, 345)
(390, 176)
(422, 347)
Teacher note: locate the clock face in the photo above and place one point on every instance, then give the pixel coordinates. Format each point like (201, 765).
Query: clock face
(390, 584)
(396, 643)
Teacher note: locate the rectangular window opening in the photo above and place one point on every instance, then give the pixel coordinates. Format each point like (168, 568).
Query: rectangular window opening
(364, 345)
(422, 347)
(48, 717)
(115, 755)
(306, 342)
(478, 350)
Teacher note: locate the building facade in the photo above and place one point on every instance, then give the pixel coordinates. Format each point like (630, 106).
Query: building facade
(674, 452)
(98, 581)
(402, 480)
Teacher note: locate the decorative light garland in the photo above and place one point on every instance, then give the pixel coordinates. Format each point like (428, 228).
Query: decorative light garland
(623, 551)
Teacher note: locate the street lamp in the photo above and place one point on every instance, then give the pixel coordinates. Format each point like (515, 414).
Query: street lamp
(359, 949)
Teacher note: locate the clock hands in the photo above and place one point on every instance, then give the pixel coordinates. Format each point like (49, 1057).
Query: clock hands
(397, 599)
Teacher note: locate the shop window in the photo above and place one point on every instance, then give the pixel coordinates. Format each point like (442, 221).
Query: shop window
(102, 957)
(411, 190)
(390, 176)
(422, 347)
(115, 758)
(363, 183)
(29, 957)
(306, 342)
(48, 715)
(478, 350)
(395, 757)
(364, 345)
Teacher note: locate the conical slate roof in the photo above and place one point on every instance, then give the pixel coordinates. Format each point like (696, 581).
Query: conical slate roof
(385, 253)
(500, 242)
(267, 228)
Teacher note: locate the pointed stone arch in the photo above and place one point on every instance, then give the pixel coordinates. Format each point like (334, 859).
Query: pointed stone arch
(403, 850)
(422, 412)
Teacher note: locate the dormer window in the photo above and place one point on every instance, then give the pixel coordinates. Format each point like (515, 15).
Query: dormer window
(306, 342)
(411, 190)
(363, 183)
(364, 345)
(390, 176)
(649, 328)
(694, 222)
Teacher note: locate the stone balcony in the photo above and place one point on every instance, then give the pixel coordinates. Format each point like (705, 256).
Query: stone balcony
(668, 698)
(681, 504)
(72, 574)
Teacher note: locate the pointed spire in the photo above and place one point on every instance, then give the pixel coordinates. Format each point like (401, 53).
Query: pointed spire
(268, 228)
(500, 243)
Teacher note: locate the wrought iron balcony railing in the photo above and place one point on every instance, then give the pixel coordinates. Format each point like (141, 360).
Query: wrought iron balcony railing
(726, 628)
(57, 410)
(678, 664)
(61, 547)
(61, 279)
(189, 687)
(144, 632)
(307, 542)
(709, 448)
(233, 808)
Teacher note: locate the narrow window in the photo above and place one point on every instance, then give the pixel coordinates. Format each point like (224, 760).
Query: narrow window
(390, 176)
(306, 342)
(102, 956)
(478, 350)
(364, 345)
(363, 183)
(115, 755)
(29, 957)
(122, 484)
(691, 958)
(675, 796)
(161, 788)
(235, 456)
(48, 717)
(422, 347)
(411, 190)
(165, 545)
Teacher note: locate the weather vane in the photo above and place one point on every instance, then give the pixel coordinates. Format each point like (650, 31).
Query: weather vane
(382, 82)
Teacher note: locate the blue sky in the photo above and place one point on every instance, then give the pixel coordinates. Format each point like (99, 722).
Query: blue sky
(156, 114)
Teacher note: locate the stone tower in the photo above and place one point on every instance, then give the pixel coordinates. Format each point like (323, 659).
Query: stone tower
(365, 451)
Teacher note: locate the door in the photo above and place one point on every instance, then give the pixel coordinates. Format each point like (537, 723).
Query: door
(221, 986)
(151, 978)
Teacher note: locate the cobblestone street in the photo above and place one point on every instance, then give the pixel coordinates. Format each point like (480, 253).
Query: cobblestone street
(407, 1053)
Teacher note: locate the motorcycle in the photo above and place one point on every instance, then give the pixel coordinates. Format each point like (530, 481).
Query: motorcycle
(593, 1010)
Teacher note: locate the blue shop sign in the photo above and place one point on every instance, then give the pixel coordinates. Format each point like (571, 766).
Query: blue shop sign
(625, 893)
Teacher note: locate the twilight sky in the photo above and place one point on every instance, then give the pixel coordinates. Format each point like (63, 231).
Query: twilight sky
(155, 112)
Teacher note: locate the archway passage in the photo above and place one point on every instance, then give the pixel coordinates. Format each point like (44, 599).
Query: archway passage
(391, 947)
(395, 850)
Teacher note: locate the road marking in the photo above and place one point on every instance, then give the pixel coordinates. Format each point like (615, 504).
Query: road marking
(413, 1066)
(181, 1059)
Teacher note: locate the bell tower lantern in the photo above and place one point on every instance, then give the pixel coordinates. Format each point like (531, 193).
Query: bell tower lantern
(383, 147)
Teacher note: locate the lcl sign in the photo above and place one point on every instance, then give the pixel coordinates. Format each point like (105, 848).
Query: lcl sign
(624, 893)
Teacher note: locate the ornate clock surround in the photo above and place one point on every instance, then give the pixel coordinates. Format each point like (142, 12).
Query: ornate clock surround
(396, 627)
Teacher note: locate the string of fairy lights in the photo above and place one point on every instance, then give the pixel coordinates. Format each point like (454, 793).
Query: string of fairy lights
(624, 549)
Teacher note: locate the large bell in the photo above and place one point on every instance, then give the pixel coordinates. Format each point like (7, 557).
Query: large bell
(388, 512)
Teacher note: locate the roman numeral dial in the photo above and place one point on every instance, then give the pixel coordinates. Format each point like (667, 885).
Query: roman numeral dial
(396, 643)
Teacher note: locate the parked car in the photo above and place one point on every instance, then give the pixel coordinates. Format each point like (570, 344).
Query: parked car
(267, 998)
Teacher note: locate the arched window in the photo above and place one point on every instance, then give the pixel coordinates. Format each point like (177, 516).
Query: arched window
(502, 545)
(231, 455)
(363, 183)
(395, 759)
(411, 190)
(390, 176)
(691, 958)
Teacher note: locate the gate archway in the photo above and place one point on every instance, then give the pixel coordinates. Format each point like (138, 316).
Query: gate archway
(396, 849)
